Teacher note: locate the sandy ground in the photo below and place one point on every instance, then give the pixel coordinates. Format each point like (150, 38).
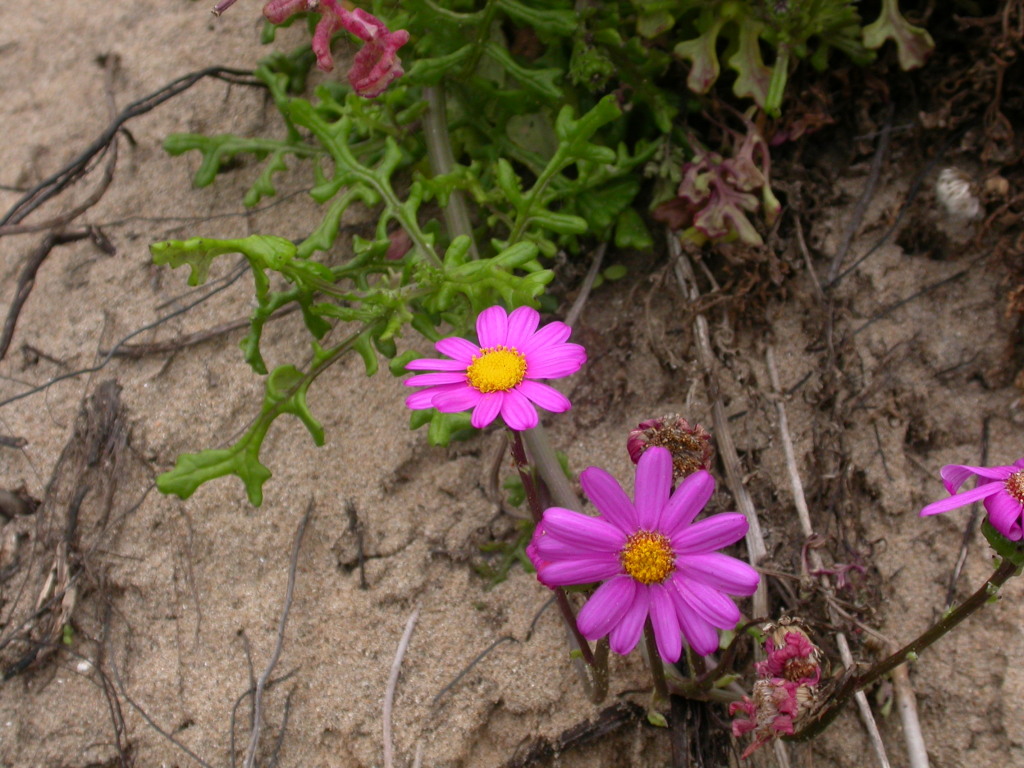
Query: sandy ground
(177, 603)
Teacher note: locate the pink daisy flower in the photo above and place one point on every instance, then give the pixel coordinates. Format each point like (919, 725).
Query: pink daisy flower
(498, 375)
(654, 560)
(1001, 489)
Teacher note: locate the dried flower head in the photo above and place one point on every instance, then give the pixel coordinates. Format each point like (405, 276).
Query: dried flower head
(791, 654)
(786, 692)
(776, 707)
(690, 446)
(958, 194)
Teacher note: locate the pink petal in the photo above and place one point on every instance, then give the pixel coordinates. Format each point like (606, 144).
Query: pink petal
(376, 65)
(717, 609)
(521, 325)
(321, 44)
(492, 327)
(701, 636)
(606, 607)
(607, 495)
(551, 548)
(1004, 512)
(517, 411)
(665, 622)
(962, 499)
(360, 23)
(710, 534)
(425, 397)
(720, 572)
(432, 379)
(555, 362)
(653, 485)
(435, 364)
(579, 571)
(550, 335)
(487, 408)
(583, 531)
(458, 348)
(626, 634)
(453, 398)
(548, 398)
(687, 502)
(955, 475)
(277, 11)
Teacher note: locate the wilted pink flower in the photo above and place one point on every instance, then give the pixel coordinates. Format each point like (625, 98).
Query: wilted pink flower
(773, 709)
(654, 560)
(785, 693)
(497, 376)
(1001, 489)
(375, 66)
(790, 653)
(690, 446)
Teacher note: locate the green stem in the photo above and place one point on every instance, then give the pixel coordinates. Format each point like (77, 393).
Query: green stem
(442, 161)
(533, 500)
(824, 717)
(657, 665)
(554, 167)
(549, 468)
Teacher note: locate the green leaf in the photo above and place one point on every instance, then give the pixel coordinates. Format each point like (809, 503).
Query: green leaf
(542, 82)
(199, 252)
(631, 232)
(1010, 550)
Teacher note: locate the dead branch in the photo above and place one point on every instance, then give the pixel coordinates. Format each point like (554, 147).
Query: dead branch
(866, 195)
(389, 693)
(803, 514)
(588, 282)
(610, 720)
(723, 436)
(241, 270)
(27, 279)
(53, 185)
(136, 351)
(261, 683)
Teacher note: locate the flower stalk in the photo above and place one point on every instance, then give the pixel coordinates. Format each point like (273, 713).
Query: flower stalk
(853, 683)
(533, 501)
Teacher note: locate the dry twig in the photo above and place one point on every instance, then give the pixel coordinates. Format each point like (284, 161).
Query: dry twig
(261, 683)
(803, 514)
(389, 693)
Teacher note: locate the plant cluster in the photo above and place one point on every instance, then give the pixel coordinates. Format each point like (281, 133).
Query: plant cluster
(485, 137)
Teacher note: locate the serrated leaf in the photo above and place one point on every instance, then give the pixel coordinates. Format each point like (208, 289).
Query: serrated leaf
(199, 252)
(194, 469)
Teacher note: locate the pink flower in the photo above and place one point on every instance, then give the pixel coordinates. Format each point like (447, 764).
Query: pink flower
(375, 66)
(1001, 488)
(497, 377)
(653, 559)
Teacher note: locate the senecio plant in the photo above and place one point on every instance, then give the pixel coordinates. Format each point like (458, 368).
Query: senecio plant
(483, 138)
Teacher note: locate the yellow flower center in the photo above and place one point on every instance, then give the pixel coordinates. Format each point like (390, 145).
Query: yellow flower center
(1015, 485)
(648, 557)
(496, 369)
